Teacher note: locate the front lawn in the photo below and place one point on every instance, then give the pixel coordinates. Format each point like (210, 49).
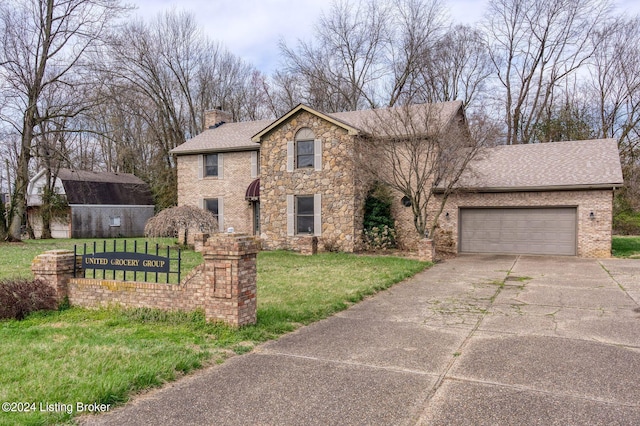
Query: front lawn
(625, 246)
(104, 356)
(16, 258)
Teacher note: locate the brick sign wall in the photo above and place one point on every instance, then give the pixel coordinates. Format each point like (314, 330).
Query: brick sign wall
(224, 285)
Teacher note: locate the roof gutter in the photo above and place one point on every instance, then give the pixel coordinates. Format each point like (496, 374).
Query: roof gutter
(215, 150)
(548, 188)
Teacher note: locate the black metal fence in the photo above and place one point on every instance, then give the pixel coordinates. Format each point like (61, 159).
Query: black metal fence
(148, 262)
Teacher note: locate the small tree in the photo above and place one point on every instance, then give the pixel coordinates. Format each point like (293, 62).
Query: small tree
(170, 221)
(414, 150)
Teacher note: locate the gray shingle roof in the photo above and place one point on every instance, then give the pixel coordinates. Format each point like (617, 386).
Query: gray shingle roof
(227, 137)
(237, 136)
(554, 165)
(435, 116)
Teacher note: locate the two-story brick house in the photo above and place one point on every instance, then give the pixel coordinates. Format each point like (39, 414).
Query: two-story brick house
(216, 168)
(295, 177)
(309, 183)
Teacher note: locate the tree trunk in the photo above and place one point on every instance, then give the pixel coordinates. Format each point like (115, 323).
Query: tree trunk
(19, 199)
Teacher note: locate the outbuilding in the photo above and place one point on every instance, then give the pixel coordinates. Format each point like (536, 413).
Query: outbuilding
(100, 204)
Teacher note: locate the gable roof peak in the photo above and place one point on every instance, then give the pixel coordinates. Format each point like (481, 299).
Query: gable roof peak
(363, 121)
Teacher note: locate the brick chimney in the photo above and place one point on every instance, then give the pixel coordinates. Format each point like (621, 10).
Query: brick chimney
(215, 117)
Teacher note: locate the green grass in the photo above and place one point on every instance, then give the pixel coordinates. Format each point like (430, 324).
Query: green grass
(16, 258)
(105, 356)
(625, 246)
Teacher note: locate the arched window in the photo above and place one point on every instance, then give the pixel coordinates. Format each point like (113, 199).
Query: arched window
(304, 148)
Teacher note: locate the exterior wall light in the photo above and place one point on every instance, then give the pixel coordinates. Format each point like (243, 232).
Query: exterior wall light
(592, 216)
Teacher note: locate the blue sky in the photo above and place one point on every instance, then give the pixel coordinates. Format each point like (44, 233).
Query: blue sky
(251, 29)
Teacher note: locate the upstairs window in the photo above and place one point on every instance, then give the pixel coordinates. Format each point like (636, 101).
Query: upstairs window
(211, 165)
(304, 154)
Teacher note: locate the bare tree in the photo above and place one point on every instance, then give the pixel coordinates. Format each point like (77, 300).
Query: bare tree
(414, 30)
(342, 68)
(162, 76)
(614, 86)
(283, 91)
(42, 43)
(417, 149)
(534, 46)
(456, 68)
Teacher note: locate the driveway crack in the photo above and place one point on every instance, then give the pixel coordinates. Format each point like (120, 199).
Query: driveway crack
(459, 351)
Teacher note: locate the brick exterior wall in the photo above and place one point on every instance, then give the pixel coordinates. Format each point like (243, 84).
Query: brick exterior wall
(342, 197)
(231, 188)
(594, 235)
(55, 267)
(224, 286)
(407, 237)
(343, 191)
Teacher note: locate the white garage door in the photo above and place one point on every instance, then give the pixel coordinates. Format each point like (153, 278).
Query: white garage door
(518, 230)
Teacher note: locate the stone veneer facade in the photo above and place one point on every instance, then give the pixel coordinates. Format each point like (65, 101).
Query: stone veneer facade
(343, 191)
(231, 187)
(594, 235)
(342, 194)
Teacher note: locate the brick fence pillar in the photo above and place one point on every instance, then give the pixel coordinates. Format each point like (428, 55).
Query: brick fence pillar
(55, 267)
(199, 241)
(230, 271)
(426, 250)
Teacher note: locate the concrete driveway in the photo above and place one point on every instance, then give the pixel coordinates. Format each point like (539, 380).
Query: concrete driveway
(478, 340)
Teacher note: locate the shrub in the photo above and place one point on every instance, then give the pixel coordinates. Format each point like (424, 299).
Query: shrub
(626, 223)
(170, 221)
(379, 232)
(19, 297)
(380, 238)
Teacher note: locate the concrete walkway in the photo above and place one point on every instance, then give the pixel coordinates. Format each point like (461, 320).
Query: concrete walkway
(477, 340)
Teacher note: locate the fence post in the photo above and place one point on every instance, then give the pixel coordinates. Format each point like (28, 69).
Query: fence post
(230, 273)
(55, 267)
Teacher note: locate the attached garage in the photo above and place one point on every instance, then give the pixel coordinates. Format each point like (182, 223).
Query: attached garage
(548, 198)
(518, 230)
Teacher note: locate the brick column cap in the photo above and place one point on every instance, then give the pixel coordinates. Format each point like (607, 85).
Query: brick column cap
(230, 245)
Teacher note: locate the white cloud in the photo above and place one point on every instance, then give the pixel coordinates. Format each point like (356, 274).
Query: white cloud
(251, 29)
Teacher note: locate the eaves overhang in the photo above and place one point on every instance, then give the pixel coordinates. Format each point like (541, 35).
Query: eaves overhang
(301, 107)
(216, 150)
(546, 188)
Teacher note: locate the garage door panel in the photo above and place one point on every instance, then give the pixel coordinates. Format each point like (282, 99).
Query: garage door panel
(518, 230)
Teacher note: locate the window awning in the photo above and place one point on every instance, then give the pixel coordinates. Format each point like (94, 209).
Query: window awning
(253, 191)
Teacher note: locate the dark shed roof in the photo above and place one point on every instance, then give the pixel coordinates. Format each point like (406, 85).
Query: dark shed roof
(82, 187)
